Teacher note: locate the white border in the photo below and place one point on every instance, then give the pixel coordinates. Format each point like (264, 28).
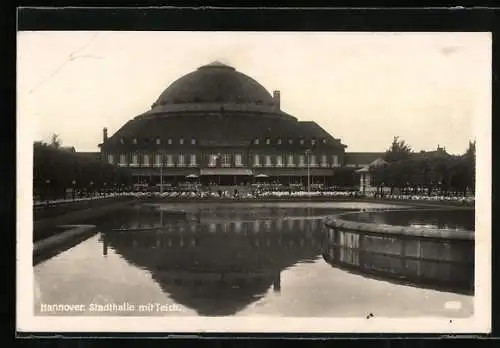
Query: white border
(480, 322)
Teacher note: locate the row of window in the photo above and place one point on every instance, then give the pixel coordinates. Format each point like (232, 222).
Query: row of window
(303, 161)
(256, 141)
(279, 141)
(168, 160)
(226, 160)
(158, 141)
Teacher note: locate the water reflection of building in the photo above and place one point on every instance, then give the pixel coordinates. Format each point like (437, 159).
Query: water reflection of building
(424, 261)
(215, 268)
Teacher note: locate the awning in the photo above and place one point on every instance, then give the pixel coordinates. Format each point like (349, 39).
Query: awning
(280, 172)
(193, 176)
(365, 169)
(167, 171)
(227, 171)
(262, 176)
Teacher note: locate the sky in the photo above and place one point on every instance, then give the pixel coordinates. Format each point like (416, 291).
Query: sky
(365, 88)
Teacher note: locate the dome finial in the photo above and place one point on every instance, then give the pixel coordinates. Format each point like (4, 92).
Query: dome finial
(217, 64)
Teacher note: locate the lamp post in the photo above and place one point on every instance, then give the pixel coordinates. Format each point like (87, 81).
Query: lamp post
(48, 188)
(91, 188)
(308, 152)
(161, 174)
(217, 158)
(73, 183)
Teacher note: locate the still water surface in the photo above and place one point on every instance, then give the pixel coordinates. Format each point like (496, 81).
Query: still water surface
(223, 260)
(450, 219)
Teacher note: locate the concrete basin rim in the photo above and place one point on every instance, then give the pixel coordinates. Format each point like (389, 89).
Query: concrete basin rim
(436, 233)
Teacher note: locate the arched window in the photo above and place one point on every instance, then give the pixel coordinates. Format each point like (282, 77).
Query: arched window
(192, 160)
(324, 161)
(170, 160)
(123, 160)
(268, 161)
(238, 160)
(302, 161)
(181, 160)
(279, 161)
(335, 161)
(212, 160)
(226, 160)
(256, 160)
(158, 160)
(135, 159)
(312, 160)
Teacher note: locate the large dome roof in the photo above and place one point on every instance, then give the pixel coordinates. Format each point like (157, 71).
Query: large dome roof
(215, 83)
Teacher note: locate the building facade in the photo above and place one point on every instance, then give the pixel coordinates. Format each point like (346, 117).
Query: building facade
(222, 127)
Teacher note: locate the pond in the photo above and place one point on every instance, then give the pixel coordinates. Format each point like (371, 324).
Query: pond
(227, 259)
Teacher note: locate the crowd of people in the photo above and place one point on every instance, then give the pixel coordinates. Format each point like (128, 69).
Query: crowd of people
(283, 194)
(237, 193)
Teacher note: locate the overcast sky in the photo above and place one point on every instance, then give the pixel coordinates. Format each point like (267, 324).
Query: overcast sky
(364, 88)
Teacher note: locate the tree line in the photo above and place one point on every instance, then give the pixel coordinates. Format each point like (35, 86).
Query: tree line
(56, 169)
(425, 171)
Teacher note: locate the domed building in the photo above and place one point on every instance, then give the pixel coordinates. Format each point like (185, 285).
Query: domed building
(223, 127)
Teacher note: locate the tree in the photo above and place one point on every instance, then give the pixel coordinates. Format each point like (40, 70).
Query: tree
(55, 170)
(471, 150)
(469, 163)
(55, 141)
(345, 177)
(379, 176)
(398, 151)
(433, 170)
(398, 170)
(426, 171)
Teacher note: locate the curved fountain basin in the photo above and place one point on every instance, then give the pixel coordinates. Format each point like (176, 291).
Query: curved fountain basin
(430, 223)
(417, 252)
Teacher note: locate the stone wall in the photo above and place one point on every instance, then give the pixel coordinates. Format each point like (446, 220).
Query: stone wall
(434, 258)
